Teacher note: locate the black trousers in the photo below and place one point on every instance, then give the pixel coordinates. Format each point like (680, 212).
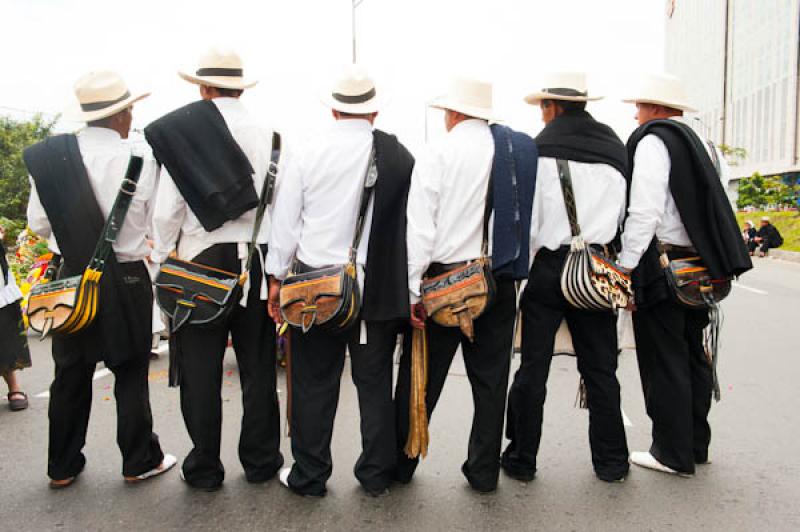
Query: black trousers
(594, 337)
(487, 361)
(71, 397)
(677, 382)
(317, 364)
(202, 350)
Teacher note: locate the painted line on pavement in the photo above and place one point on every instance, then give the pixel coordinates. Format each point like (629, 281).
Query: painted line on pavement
(99, 374)
(625, 419)
(750, 289)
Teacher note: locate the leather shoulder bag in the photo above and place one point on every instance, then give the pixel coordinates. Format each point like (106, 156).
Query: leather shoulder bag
(328, 298)
(67, 306)
(590, 279)
(196, 294)
(465, 290)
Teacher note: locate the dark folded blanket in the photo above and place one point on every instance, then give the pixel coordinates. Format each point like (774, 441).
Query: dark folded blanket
(209, 168)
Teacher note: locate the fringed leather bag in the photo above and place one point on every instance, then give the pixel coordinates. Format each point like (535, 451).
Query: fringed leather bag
(457, 297)
(328, 298)
(590, 279)
(67, 306)
(197, 294)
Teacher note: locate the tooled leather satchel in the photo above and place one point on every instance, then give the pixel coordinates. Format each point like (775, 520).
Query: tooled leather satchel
(328, 298)
(67, 306)
(590, 279)
(457, 297)
(196, 294)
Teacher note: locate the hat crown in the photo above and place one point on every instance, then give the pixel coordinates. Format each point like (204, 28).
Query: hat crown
(353, 81)
(100, 86)
(662, 89)
(566, 80)
(471, 92)
(220, 58)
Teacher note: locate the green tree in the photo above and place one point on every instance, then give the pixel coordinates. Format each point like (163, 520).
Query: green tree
(752, 192)
(15, 136)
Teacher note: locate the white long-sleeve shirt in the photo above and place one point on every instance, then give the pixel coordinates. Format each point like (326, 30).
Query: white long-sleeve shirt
(447, 200)
(106, 158)
(173, 217)
(317, 207)
(599, 197)
(652, 210)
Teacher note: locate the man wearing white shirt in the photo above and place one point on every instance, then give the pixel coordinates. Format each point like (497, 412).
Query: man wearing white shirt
(678, 206)
(450, 189)
(316, 216)
(214, 230)
(597, 163)
(120, 335)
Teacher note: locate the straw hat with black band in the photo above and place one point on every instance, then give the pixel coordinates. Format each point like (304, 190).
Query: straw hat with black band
(662, 89)
(354, 92)
(219, 68)
(470, 97)
(101, 94)
(563, 86)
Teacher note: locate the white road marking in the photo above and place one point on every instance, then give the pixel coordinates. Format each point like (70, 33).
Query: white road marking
(625, 419)
(99, 374)
(750, 289)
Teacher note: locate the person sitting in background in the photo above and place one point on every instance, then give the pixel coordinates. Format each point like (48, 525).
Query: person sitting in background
(768, 237)
(749, 236)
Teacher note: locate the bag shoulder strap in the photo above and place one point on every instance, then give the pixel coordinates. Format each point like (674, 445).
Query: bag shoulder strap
(267, 188)
(487, 213)
(117, 215)
(715, 157)
(370, 177)
(565, 177)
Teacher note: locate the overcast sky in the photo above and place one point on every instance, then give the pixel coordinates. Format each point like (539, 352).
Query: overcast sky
(293, 47)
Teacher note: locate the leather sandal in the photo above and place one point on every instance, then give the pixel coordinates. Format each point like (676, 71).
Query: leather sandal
(61, 484)
(17, 404)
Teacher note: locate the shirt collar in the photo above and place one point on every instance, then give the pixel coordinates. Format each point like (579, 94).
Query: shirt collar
(469, 124)
(99, 135)
(228, 104)
(352, 124)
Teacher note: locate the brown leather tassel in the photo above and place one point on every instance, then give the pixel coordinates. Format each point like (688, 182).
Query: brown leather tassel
(581, 400)
(418, 437)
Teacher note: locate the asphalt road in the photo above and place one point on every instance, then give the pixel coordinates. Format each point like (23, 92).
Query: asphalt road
(753, 483)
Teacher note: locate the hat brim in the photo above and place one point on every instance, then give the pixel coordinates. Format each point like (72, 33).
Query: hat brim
(373, 105)
(536, 97)
(446, 103)
(79, 115)
(220, 82)
(674, 105)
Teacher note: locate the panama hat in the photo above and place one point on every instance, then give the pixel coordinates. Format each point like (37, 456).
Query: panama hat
(662, 89)
(353, 92)
(219, 68)
(101, 93)
(564, 86)
(468, 96)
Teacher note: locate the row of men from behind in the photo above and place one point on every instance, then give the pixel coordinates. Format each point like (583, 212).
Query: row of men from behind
(424, 218)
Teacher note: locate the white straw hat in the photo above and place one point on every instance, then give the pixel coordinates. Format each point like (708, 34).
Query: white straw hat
(468, 96)
(661, 89)
(101, 93)
(565, 86)
(353, 92)
(219, 68)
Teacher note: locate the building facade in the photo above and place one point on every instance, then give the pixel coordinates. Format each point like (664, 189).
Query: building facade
(739, 62)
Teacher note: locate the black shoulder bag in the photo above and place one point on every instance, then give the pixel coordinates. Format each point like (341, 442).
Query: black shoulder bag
(193, 293)
(67, 306)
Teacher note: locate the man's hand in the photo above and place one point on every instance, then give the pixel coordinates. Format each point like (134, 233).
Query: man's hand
(418, 316)
(273, 303)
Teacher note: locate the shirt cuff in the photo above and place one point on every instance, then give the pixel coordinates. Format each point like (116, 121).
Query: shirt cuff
(413, 298)
(629, 259)
(159, 256)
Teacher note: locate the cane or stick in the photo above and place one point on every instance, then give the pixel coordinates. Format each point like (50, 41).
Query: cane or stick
(418, 437)
(288, 357)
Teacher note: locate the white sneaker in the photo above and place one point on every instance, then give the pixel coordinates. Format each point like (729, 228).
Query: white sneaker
(647, 460)
(283, 476)
(166, 464)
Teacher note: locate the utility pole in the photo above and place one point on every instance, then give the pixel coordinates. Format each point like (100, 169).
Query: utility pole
(354, 4)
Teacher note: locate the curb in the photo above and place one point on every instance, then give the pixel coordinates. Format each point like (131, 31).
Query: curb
(791, 256)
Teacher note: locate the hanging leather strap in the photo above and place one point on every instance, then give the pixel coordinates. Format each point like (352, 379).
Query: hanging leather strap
(267, 188)
(370, 177)
(565, 178)
(116, 217)
(487, 213)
